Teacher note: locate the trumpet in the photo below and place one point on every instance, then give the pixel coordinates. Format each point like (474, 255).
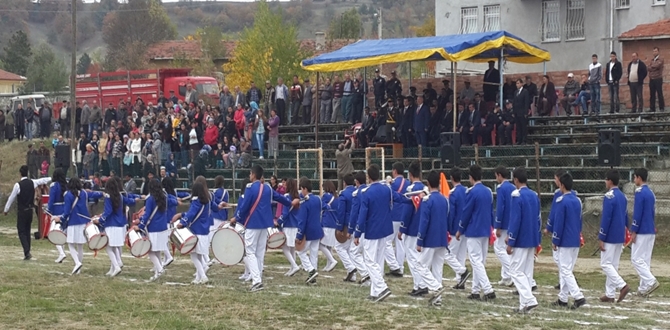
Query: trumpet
(413, 193)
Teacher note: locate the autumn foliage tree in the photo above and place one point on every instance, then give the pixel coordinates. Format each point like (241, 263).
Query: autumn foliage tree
(266, 51)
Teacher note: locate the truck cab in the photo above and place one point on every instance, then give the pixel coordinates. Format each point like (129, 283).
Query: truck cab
(35, 99)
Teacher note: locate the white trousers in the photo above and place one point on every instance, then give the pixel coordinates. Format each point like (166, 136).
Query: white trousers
(413, 261)
(255, 241)
(520, 269)
(356, 256)
(477, 251)
(609, 262)
(309, 262)
(567, 257)
(395, 257)
(500, 249)
(455, 256)
(431, 265)
(342, 250)
(641, 258)
(373, 256)
(554, 255)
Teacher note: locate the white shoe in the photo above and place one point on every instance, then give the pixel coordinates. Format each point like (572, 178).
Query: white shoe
(329, 267)
(505, 282)
(204, 280)
(111, 270)
(261, 157)
(244, 277)
(195, 281)
(456, 279)
(116, 272)
(76, 269)
(292, 271)
(168, 262)
(206, 270)
(156, 276)
(60, 258)
(211, 263)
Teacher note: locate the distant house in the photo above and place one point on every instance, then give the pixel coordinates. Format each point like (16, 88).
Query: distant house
(10, 83)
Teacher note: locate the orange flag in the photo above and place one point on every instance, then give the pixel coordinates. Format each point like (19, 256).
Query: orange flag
(627, 238)
(444, 185)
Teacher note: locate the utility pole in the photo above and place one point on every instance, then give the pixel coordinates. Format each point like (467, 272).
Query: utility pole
(73, 80)
(379, 33)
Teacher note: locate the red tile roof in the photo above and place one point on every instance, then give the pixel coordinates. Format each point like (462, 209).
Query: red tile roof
(4, 75)
(656, 30)
(171, 49)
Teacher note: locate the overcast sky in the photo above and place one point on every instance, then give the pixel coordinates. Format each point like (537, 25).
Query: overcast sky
(91, 1)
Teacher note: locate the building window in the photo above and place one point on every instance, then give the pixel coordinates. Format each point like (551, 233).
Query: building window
(575, 20)
(551, 23)
(469, 20)
(659, 2)
(622, 4)
(491, 18)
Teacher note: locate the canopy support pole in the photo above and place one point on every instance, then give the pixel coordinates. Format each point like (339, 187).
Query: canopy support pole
(410, 77)
(365, 89)
(318, 105)
(544, 69)
(454, 68)
(500, 67)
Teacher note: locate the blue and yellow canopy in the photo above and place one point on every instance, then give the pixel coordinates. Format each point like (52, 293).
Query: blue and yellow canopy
(474, 47)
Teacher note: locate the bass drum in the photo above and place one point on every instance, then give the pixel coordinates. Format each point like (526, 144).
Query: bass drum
(228, 244)
(183, 239)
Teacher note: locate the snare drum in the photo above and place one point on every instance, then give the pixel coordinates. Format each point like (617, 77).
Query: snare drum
(55, 234)
(96, 239)
(228, 244)
(183, 238)
(276, 238)
(138, 243)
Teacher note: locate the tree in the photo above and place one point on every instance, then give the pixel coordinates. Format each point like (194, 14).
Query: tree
(138, 22)
(211, 41)
(347, 26)
(46, 72)
(427, 29)
(17, 54)
(83, 64)
(266, 51)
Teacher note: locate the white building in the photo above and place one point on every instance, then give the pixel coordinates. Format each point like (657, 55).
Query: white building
(571, 30)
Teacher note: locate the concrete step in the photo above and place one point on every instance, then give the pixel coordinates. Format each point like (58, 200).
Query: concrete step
(595, 204)
(659, 188)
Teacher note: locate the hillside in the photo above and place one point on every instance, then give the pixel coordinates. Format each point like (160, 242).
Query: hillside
(49, 20)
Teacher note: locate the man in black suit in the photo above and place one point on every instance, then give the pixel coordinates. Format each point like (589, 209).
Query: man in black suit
(637, 72)
(491, 82)
(505, 124)
(421, 121)
(490, 123)
(366, 127)
(531, 88)
(521, 104)
(406, 131)
(469, 124)
(613, 73)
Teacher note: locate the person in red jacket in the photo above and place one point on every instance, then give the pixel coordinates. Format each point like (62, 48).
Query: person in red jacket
(211, 137)
(239, 121)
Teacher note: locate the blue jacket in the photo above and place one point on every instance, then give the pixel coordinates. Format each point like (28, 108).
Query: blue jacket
(557, 194)
(330, 207)
(567, 221)
(643, 211)
(504, 192)
(410, 225)
(614, 219)
(172, 210)
(160, 220)
(309, 218)
(115, 218)
(524, 219)
(400, 211)
(220, 195)
(288, 218)
(477, 217)
(197, 217)
(374, 215)
(355, 207)
(261, 217)
(56, 199)
(433, 223)
(456, 205)
(72, 215)
(344, 207)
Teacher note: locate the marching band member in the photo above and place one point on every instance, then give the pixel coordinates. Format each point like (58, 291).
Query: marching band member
(219, 215)
(356, 250)
(210, 221)
(375, 226)
(549, 228)
(289, 224)
(329, 224)
(475, 226)
(198, 221)
(56, 202)
(409, 230)
(343, 213)
(565, 240)
(611, 237)
(168, 186)
(523, 238)
(309, 229)
(396, 258)
(74, 219)
(431, 240)
(504, 194)
(643, 233)
(246, 276)
(155, 222)
(255, 213)
(113, 221)
(457, 250)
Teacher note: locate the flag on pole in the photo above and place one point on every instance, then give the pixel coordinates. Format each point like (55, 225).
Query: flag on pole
(444, 185)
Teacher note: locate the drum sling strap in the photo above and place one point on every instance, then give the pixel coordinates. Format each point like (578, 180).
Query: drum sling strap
(253, 207)
(197, 215)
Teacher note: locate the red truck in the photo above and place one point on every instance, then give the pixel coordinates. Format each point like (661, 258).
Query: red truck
(111, 87)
